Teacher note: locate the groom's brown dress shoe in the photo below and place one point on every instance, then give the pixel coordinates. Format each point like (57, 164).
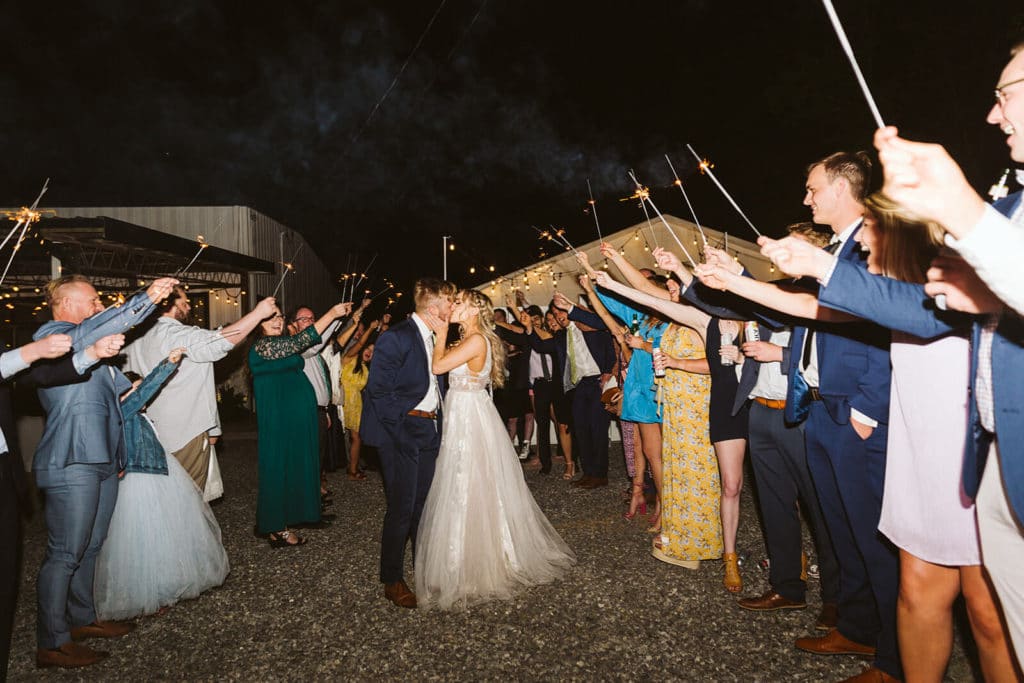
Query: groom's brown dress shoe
(70, 655)
(769, 602)
(582, 481)
(102, 629)
(835, 643)
(595, 482)
(400, 594)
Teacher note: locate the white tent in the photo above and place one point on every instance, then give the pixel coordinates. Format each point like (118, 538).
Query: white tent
(540, 280)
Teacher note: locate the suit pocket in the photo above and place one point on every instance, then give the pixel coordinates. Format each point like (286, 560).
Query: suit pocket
(92, 426)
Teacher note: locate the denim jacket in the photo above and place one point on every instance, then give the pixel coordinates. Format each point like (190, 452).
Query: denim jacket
(145, 454)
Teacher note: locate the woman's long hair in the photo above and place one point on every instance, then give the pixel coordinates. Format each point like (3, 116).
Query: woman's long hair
(483, 304)
(908, 244)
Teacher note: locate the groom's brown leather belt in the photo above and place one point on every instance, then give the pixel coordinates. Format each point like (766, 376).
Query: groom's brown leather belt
(423, 413)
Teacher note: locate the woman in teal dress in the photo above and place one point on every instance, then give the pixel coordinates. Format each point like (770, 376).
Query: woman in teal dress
(289, 460)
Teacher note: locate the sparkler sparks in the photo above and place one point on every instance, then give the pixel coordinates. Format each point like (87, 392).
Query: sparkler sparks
(705, 167)
(664, 222)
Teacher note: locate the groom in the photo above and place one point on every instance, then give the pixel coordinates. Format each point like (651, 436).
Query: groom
(402, 418)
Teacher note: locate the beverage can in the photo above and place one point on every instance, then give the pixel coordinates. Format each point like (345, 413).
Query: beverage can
(750, 331)
(659, 369)
(727, 340)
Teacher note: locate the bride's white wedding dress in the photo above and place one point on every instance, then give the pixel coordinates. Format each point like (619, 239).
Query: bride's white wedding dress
(481, 536)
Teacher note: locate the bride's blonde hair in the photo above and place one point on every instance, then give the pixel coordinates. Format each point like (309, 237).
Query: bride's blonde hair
(486, 317)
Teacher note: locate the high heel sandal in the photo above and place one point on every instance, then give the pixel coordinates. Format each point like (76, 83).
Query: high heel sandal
(655, 520)
(732, 580)
(570, 470)
(282, 539)
(637, 502)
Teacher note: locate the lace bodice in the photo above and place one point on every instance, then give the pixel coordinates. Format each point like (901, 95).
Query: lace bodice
(282, 346)
(462, 378)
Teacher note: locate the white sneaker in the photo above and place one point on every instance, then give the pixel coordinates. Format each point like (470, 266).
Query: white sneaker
(524, 451)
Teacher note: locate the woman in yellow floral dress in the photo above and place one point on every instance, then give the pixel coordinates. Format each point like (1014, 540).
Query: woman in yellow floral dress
(691, 527)
(355, 370)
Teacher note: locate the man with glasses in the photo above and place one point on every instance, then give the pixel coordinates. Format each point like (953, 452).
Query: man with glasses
(185, 411)
(988, 280)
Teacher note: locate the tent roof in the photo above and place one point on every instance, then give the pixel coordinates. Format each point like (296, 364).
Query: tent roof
(540, 280)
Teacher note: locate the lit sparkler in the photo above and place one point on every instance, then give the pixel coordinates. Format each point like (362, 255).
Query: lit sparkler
(705, 167)
(287, 269)
(641, 191)
(679, 183)
(24, 217)
(593, 209)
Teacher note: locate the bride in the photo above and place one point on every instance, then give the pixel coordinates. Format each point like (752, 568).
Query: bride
(481, 536)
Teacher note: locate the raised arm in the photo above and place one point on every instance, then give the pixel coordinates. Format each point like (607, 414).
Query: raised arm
(473, 348)
(152, 383)
(613, 325)
(799, 304)
(282, 346)
(361, 342)
(633, 276)
(693, 318)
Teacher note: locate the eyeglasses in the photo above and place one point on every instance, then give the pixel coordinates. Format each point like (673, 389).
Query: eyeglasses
(275, 317)
(302, 318)
(1000, 95)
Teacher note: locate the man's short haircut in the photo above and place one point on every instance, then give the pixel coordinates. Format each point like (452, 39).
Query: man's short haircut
(854, 166)
(534, 310)
(818, 235)
(178, 292)
(295, 311)
(429, 288)
(54, 287)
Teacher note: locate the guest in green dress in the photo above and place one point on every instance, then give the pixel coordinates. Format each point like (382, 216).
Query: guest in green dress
(289, 460)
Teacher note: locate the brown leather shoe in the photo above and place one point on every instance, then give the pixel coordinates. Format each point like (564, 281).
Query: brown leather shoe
(769, 602)
(871, 674)
(400, 594)
(70, 655)
(595, 482)
(833, 643)
(828, 617)
(102, 629)
(582, 481)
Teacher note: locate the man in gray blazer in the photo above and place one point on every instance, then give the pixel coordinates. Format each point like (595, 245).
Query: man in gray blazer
(76, 466)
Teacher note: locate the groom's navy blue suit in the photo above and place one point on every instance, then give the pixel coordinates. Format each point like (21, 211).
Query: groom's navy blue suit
(399, 378)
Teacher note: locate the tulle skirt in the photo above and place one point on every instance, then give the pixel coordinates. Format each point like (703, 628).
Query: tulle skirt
(163, 545)
(482, 535)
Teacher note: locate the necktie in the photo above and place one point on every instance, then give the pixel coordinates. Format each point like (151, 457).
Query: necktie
(545, 365)
(574, 377)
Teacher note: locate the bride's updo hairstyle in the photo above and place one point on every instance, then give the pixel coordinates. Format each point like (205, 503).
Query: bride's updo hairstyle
(486, 316)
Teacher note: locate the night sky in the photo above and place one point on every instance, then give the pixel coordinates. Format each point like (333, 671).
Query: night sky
(496, 122)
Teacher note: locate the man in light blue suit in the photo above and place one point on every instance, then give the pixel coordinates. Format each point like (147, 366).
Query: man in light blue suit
(76, 466)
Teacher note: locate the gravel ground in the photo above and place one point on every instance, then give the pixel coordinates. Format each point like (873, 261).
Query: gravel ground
(317, 612)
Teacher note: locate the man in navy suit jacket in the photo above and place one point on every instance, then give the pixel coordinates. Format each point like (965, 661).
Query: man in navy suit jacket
(76, 466)
(991, 240)
(839, 378)
(402, 417)
(590, 419)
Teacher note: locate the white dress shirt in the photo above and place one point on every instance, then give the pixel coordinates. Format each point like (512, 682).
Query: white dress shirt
(431, 400)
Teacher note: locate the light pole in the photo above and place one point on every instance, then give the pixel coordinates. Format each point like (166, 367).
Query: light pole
(444, 254)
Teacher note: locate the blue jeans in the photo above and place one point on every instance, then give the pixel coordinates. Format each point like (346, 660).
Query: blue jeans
(79, 503)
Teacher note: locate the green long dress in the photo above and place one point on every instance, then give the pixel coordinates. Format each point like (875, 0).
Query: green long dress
(289, 460)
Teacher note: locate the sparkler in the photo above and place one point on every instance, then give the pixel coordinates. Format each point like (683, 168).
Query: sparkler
(705, 167)
(213, 340)
(362, 275)
(287, 269)
(644, 194)
(555, 235)
(593, 209)
(202, 245)
(382, 292)
(26, 216)
(679, 184)
(844, 41)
